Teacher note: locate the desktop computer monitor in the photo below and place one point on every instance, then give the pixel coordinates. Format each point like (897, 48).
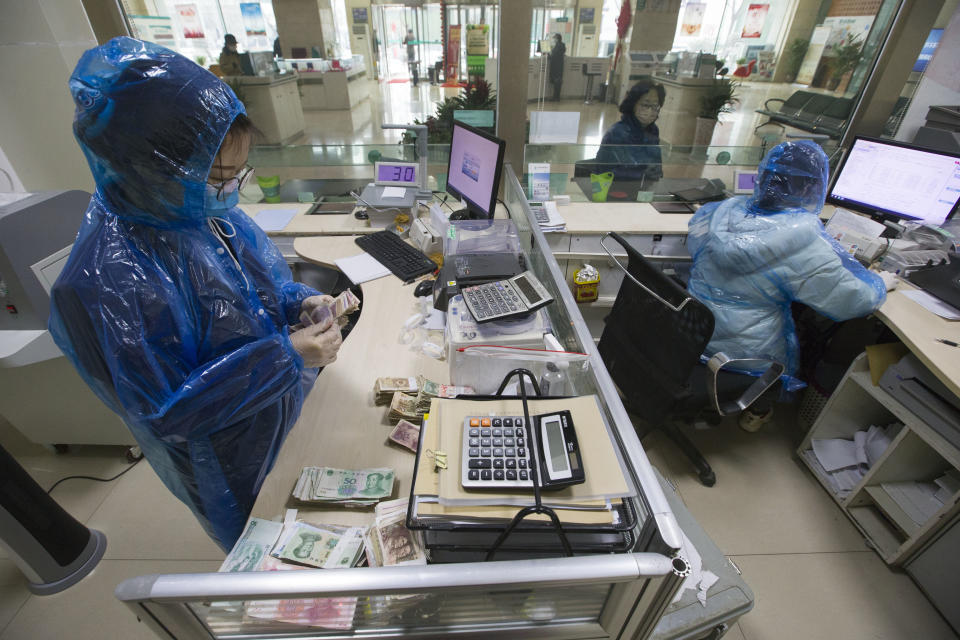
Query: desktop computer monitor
(473, 170)
(889, 179)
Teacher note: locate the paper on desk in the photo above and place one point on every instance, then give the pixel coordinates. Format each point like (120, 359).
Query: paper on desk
(843, 220)
(274, 219)
(393, 192)
(932, 304)
(361, 268)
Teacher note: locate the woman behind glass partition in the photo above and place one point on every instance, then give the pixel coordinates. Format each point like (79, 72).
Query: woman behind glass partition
(641, 159)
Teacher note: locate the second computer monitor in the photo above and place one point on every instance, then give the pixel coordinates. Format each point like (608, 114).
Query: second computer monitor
(473, 171)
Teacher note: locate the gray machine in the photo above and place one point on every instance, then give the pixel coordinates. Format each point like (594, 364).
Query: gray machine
(41, 393)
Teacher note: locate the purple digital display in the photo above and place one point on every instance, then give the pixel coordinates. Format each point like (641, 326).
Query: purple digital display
(746, 181)
(397, 173)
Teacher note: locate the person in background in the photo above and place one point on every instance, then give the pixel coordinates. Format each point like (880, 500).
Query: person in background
(755, 255)
(410, 41)
(630, 148)
(557, 54)
(229, 58)
(175, 307)
(277, 49)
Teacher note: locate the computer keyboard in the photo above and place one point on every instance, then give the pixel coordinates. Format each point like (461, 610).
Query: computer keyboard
(403, 260)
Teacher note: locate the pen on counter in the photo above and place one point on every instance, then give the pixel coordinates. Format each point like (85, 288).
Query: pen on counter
(948, 342)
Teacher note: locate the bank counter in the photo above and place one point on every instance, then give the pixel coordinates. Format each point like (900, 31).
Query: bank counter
(616, 595)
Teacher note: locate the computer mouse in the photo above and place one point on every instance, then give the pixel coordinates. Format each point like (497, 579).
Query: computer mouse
(361, 215)
(425, 288)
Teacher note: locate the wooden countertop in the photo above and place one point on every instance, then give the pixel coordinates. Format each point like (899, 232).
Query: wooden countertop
(339, 425)
(918, 329)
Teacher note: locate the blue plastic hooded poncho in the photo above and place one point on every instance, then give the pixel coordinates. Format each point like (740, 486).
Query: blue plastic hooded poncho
(754, 255)
(176, 308)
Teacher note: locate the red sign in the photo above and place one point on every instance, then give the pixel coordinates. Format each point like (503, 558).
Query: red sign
(453, 54)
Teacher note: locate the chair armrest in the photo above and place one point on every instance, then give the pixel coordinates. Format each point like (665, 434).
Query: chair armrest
(766, 104)
(816, 137)
(764, 382)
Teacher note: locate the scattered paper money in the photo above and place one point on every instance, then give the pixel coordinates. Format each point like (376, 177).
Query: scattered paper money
(384, 388)
(329, 613)
(404, 407)
(253, 546)
(397, 544)
(406, 434)
(362, 487)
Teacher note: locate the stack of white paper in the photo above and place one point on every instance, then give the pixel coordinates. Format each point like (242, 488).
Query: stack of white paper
(844, 462)
(548, 217)
(917, 499)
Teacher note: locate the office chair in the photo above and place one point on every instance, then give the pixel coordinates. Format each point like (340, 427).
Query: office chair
(652, 345)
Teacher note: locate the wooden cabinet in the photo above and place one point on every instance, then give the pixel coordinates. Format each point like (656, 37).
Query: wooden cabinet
(273, 103)
(917, 453)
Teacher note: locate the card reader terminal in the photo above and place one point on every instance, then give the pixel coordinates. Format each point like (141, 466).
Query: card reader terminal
(496, 452)
(505, 299)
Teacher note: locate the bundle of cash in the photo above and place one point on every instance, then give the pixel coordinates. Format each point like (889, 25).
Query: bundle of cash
(253, 546)
(321, 546)
(357, 488)
(404, 407)
(343, 304)
(427, 390)
(406, 434)
(389, 542)
(384, 388)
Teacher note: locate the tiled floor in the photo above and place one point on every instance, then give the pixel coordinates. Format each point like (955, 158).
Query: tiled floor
(812, 574)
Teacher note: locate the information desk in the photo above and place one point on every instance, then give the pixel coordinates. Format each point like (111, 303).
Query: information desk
(600, 596)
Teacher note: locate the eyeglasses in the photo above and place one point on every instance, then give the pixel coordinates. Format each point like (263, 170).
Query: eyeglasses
(643, 106)
(242, 179)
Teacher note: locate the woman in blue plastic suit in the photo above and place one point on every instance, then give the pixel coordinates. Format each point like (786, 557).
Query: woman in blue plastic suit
(174, 306)
(754, 255)
(630, 148)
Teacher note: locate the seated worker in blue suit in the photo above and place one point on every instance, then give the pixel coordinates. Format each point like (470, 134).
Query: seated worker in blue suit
(174, 306)
(639, 111)
(754, 255)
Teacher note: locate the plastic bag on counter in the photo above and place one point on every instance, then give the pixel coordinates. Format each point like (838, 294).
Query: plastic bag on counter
(484, 367)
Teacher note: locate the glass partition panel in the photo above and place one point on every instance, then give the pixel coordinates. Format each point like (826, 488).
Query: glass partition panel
(654, 170)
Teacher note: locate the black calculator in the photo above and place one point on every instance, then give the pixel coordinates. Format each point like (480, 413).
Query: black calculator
(496, 452)
(504, 299)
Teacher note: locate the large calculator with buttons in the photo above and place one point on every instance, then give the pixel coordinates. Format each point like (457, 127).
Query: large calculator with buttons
(496, 452)
(504, 299)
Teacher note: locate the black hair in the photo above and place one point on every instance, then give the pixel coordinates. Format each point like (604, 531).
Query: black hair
(558, 36)
(643, 87)
(241, 125)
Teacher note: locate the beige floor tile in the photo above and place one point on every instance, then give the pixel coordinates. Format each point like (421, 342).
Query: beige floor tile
(764, 501)
(734, 633)
(89, 610)
(79, 497)
(12, 598)
(142, 519)
(835, 595)
(16, 443)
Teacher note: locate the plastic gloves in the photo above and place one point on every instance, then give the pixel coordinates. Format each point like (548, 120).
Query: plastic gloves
(311, 303)
(889, 279)
(317, 344)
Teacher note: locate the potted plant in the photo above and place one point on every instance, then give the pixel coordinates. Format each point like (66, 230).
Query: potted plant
(721, 98)
(793, 58)
(845, 58)
(476, 95)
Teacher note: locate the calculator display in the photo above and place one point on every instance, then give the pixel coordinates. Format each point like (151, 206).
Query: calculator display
(526, 289)
(558, 452)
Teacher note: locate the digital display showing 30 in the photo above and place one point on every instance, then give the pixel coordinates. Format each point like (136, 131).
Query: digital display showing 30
(397, 173)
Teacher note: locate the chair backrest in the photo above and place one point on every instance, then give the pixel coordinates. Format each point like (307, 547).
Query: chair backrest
(815, 108)
(792, 106)
(650, 349)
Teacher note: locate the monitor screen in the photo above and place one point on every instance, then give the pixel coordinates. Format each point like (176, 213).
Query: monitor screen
(899, 180)
(473, 172)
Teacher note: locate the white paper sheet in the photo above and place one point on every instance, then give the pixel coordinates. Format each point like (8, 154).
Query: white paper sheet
(393, 192)
(274, 219)
(361, 268)
(836, 453)
(933, 305)
(915, 498)
(843, 220)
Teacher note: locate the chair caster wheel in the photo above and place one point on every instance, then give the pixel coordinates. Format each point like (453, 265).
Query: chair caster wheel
(708, 478)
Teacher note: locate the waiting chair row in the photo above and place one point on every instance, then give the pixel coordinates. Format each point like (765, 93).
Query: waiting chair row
(812, 112)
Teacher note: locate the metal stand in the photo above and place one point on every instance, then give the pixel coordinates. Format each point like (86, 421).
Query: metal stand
(537, 507)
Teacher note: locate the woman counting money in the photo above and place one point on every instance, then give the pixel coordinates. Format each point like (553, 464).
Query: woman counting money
(174, 306)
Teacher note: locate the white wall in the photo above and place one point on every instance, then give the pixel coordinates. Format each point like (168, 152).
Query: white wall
(40, 43)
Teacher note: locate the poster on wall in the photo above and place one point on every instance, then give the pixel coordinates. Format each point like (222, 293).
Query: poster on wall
(756, 16)
(693, 18)
(808, 68)
(929, 48)
(360, 15)
(155, 29)
(586, 16)
(189, 20)
(843, 29)
(253, 19)
(477, 48)
(452, 69)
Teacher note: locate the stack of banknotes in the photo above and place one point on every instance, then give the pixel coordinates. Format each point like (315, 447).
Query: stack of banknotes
(348, 487)
(320, 546)
(406, 434)
(343, 304)
(410, 398)
(389, 542)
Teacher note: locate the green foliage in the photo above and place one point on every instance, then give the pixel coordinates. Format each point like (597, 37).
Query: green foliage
(202, 61)
(741, 61)
(793, 56)
(476, 95)
(720, 99)
(846, 57)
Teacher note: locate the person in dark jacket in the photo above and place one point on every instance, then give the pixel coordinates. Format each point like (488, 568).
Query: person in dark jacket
(229, 58)
(556, 65)
(630, 148)
(174, 306)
